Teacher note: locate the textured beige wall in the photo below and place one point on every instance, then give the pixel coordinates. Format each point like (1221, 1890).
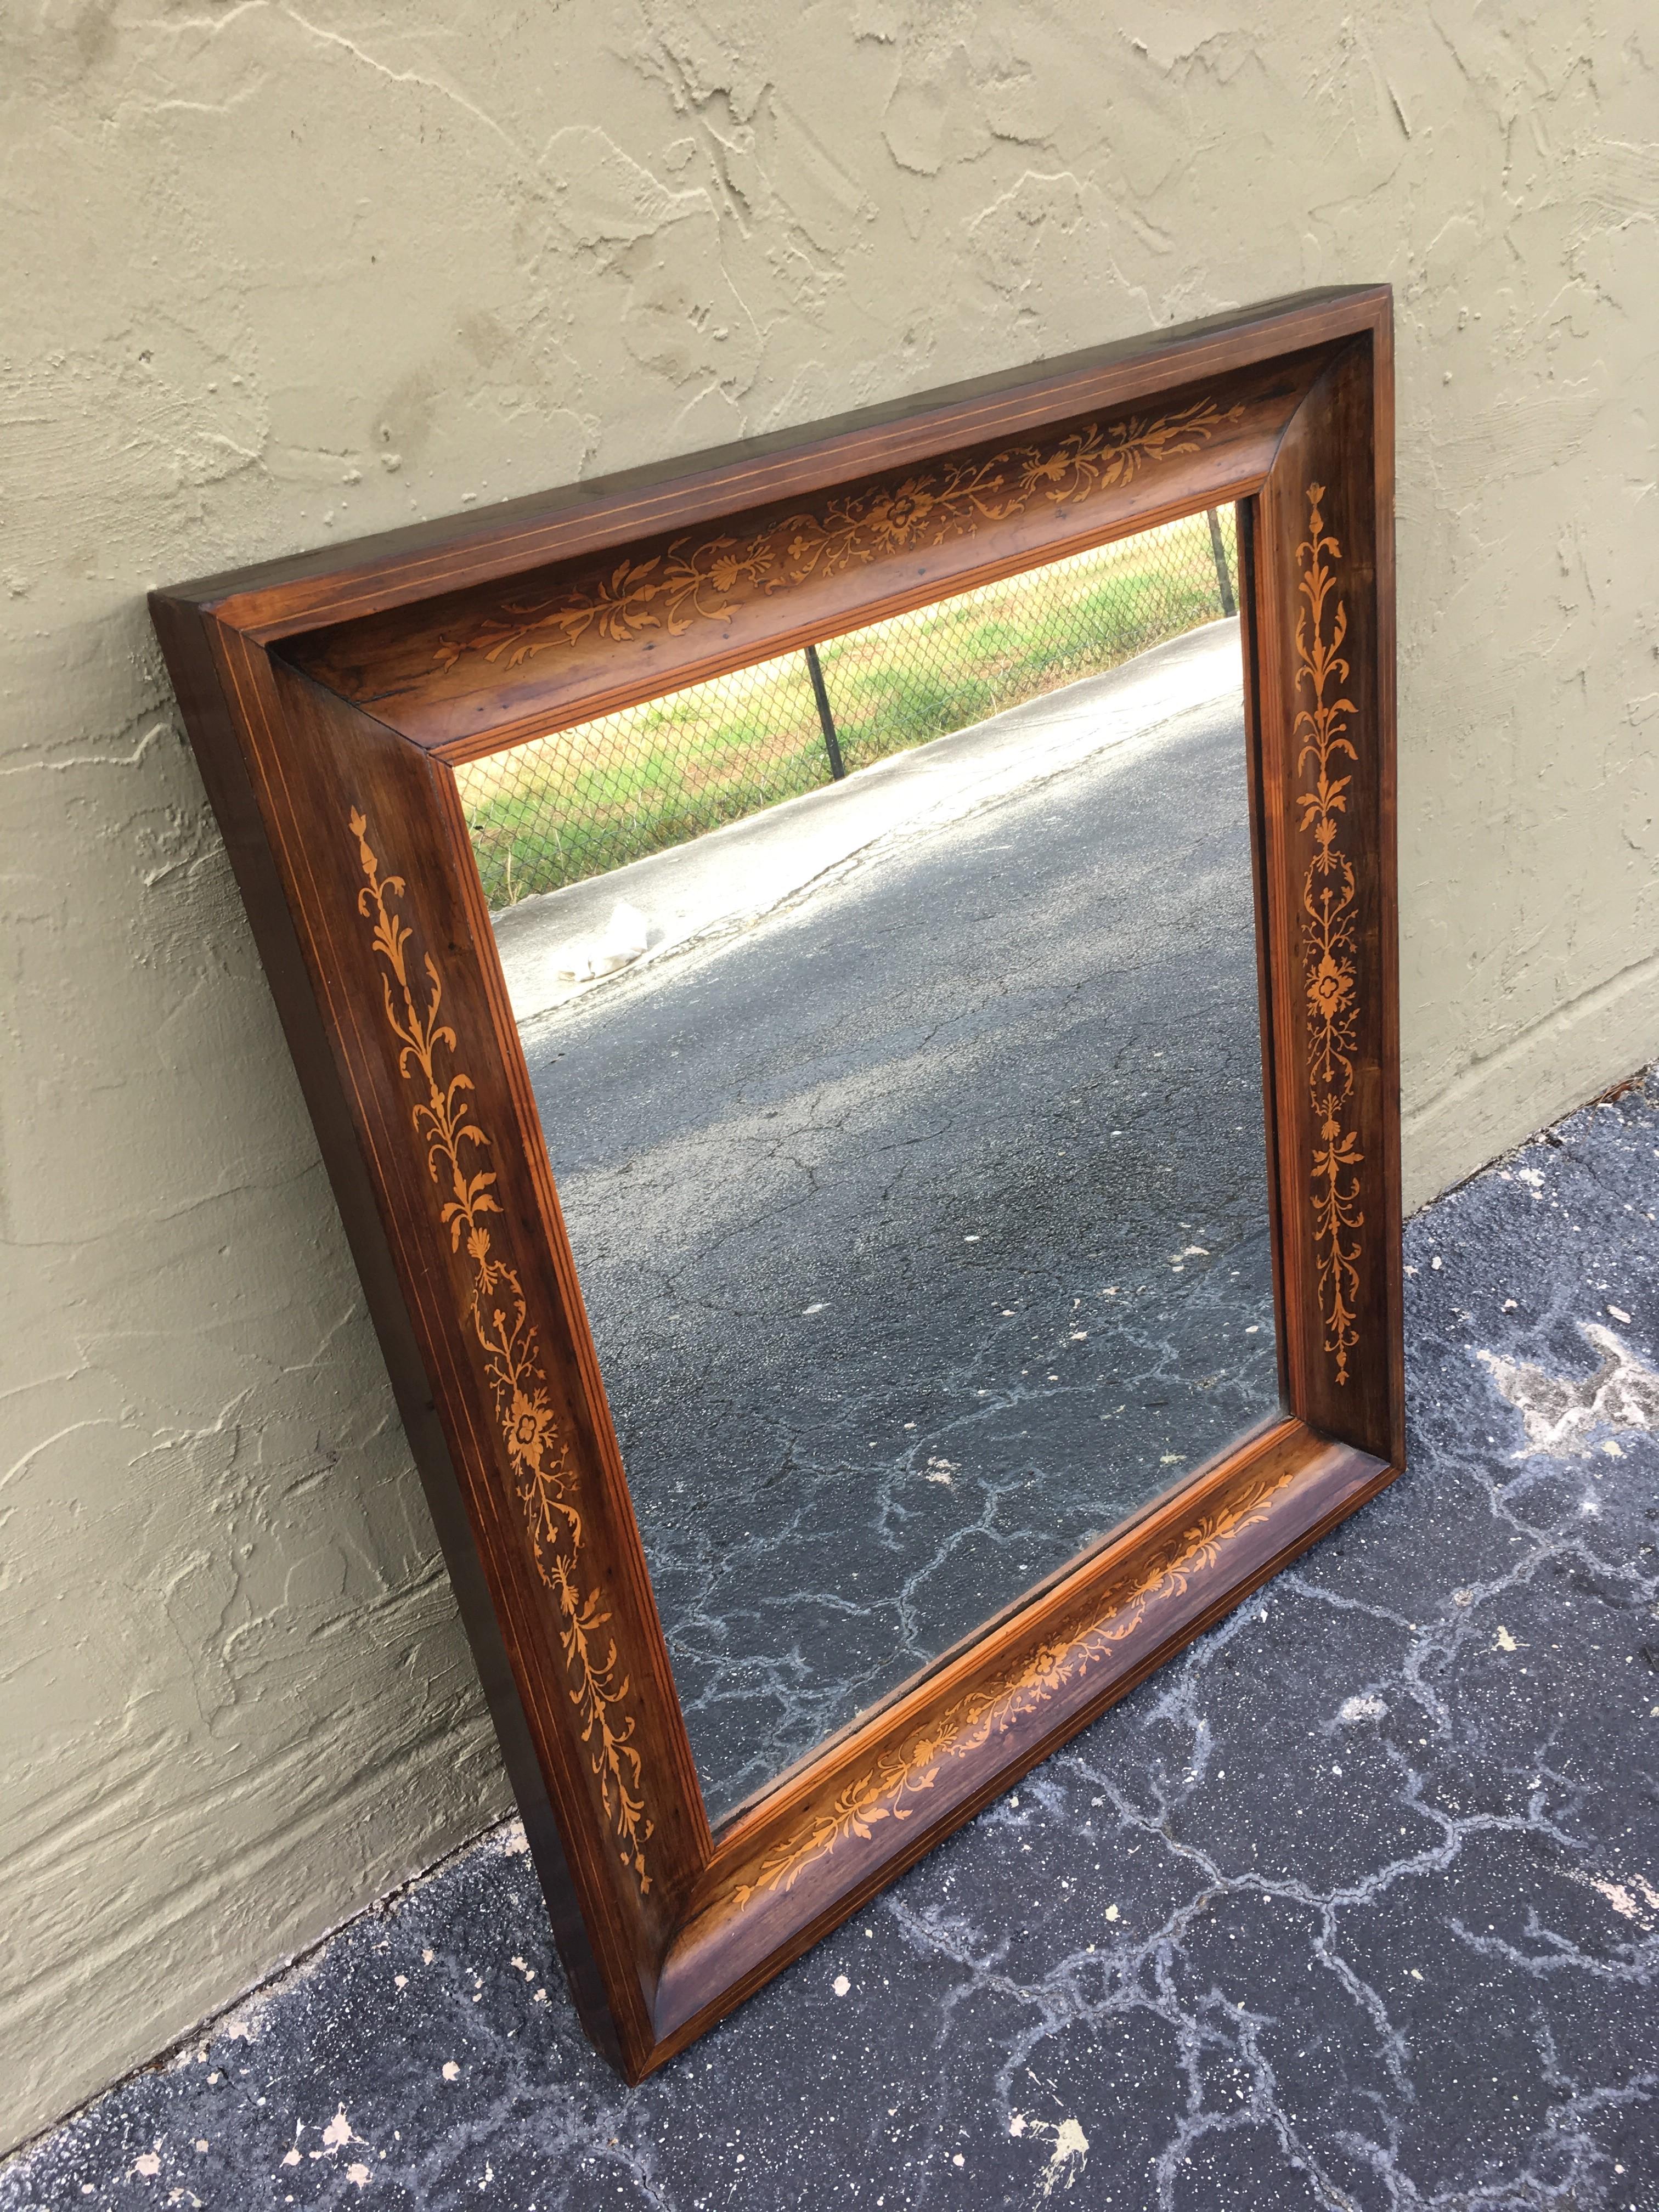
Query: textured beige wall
(272, 276)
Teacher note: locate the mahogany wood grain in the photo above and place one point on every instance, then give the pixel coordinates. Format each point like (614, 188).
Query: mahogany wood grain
(1330, 865)
(328, 701)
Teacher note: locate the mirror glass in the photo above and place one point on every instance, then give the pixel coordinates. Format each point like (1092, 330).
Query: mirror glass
(892, 1012)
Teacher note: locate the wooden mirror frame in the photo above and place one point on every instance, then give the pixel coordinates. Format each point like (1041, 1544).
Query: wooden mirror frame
(328, 698)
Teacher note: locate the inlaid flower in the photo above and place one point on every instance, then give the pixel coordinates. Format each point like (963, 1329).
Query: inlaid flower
(896, 516)
(1329, 989)
(1052, 468)
(531, 1430)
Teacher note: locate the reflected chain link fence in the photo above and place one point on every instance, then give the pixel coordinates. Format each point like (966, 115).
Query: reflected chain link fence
(592, 797)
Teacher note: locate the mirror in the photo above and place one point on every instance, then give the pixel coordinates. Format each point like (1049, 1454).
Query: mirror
(892, 1012)
(893, 1015)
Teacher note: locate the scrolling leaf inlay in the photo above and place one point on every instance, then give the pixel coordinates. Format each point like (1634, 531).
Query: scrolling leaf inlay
(705, 579)
(1328, 906)
(914, 1765)
(538, 1454)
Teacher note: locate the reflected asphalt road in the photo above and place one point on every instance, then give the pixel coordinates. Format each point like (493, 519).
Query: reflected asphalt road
(922, 1228)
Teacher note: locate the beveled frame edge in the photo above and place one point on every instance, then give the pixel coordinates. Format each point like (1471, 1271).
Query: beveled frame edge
(963, 1733)
(647, 1983)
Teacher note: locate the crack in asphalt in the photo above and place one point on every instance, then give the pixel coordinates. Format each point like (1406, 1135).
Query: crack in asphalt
(1354, 1906)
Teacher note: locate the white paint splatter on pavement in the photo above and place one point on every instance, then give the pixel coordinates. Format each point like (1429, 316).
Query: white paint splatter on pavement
(1561, 1411)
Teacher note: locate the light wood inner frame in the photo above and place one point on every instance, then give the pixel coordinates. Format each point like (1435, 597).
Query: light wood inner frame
(328, 698)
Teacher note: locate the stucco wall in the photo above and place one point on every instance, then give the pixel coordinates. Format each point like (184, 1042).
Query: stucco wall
(272, 277)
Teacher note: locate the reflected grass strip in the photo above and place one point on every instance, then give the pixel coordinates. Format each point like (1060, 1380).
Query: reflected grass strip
(586, 800)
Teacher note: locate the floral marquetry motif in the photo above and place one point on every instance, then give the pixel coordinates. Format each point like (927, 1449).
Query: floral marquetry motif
(705, 579)
(1323, 744)
(507, 1339)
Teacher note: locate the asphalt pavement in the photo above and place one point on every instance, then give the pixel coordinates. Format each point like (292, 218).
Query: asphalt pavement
(922, 1226)
(724, 881)
(1352, 1907)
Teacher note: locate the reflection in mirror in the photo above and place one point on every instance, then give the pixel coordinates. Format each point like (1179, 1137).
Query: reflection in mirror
(891, 1009)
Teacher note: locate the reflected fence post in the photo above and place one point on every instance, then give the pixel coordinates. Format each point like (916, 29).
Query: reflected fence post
(599, 795)
(1229, 603)
(826, 720)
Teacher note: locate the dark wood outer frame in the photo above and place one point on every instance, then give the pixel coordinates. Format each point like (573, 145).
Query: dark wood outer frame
(328, 698)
